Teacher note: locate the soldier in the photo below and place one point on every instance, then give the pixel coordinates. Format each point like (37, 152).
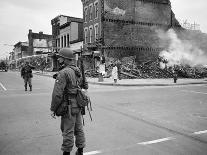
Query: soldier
(26, 74)
(65, 89)
(175, 76)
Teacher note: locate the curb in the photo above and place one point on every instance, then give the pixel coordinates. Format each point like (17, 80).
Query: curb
(140, 84)
(43, 74)
(146, 84)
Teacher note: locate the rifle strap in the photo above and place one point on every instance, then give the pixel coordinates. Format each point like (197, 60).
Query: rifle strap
(89, 113)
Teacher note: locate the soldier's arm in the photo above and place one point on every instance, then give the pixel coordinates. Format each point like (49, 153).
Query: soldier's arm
(58, 90)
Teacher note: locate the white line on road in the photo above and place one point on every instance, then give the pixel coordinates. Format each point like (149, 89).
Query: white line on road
(2, 86)
(92, 152)
(156, 141)
(200, 132)
(190, 91)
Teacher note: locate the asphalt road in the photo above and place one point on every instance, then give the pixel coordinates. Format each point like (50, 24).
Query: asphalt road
(126, 120)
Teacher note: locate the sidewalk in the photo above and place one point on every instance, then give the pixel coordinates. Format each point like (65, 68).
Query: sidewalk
(137, 82)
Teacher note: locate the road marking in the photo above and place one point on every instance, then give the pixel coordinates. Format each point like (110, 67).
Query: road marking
(190, 91)
(200, 132)
(2, 86)
(156, 141)
(92, 152)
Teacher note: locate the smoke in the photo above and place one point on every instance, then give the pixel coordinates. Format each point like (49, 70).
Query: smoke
(180, 52)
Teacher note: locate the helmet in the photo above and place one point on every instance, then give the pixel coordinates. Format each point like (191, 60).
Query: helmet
(66, 53)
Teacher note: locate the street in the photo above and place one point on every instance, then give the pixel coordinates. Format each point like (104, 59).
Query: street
(155, 120)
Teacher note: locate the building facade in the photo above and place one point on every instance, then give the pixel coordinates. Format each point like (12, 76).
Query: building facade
(67, 32)
(20, 50)
(39, 43)
(121, 28)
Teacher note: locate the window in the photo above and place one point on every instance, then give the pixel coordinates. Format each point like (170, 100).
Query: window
(96, 31)
(58, 42)
(62, 41)
(91, 33)
(68, 41)
(85, 14)
(86, 35)
(91, 12)
(96, 9)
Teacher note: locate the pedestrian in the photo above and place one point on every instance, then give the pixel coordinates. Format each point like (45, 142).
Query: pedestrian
(119, 69)
(64, 102)
(175, 76)
(26, 74)
(115, 73)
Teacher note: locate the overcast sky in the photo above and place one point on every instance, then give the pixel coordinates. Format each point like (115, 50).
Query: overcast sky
(18, 16)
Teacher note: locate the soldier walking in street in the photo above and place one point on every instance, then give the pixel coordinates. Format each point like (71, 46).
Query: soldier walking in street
(26, 74)
(64, 102)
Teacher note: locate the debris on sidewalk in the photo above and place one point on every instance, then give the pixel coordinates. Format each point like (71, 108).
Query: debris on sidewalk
(151, 69)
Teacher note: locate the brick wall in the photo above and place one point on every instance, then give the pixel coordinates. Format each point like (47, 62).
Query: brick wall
(130, 27)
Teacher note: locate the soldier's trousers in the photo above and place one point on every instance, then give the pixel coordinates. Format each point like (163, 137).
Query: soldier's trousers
(72, 127)
(27, 80)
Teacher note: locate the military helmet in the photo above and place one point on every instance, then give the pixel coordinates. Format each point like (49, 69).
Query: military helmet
(66, 53)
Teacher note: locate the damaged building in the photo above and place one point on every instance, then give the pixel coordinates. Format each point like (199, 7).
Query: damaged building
(123, 28)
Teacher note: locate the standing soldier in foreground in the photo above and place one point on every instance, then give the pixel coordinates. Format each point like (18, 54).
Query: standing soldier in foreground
(64, 102)
(26, 74)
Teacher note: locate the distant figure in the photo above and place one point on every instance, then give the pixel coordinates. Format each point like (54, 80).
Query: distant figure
(119, 69)
(115, 73)
(175, 76)
(26, 74)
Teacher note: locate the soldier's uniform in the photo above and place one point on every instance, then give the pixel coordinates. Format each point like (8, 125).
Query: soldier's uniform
(26, 74)
(71, 122)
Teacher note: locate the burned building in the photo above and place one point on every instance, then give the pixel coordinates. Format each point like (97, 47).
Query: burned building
(121, 28)
(39, 43)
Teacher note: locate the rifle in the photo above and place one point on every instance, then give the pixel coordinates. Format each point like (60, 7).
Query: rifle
(84, 85)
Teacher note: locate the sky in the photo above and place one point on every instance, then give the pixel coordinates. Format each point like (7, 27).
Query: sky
(18, 16)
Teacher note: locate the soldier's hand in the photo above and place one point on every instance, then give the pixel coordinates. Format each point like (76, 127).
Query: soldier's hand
(53, 115)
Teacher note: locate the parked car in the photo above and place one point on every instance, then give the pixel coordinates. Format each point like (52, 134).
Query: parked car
(3, 66)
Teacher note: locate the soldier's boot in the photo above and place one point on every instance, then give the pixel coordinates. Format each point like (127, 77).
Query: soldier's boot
(25, 87)
(79, 151)
(66, 153)
(30, 87)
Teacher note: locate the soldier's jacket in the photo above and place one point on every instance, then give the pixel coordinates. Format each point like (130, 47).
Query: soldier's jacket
(66, 82)
(26, 71)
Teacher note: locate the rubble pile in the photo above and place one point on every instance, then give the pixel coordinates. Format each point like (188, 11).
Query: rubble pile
(185, 71)
(91, 73)
(150, 69)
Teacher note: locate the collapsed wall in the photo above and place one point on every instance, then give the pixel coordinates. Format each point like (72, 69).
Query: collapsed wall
(130, 27)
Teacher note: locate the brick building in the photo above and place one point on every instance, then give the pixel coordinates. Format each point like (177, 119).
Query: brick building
(120, 28)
